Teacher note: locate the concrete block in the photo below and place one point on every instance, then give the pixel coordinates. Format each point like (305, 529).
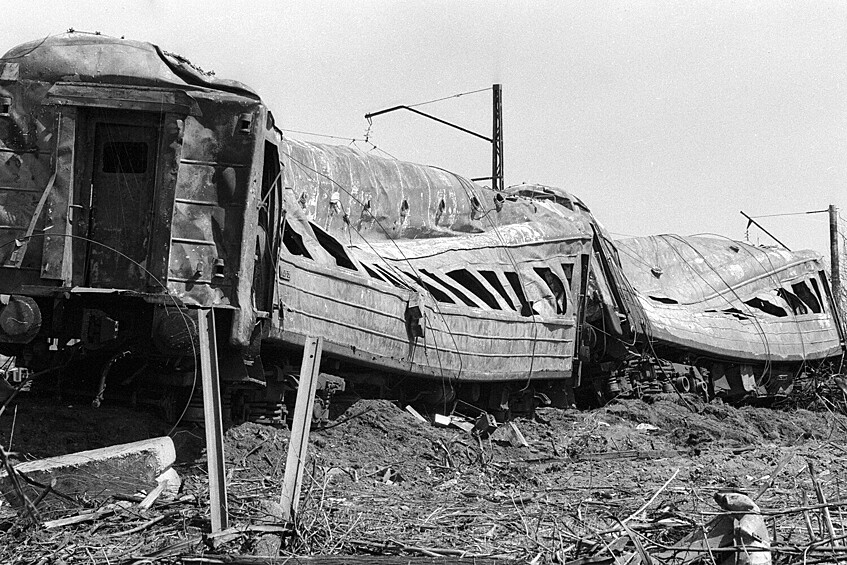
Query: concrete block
(95, 474)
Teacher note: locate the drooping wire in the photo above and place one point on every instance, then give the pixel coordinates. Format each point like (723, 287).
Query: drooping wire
(351, 140)
(180, 308)
(39, 44)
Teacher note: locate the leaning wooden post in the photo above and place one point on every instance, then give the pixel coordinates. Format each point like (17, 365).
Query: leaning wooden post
(299, 442)
(827, 518)
(212, 415)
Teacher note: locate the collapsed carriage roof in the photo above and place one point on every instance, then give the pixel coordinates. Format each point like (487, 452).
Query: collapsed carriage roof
(86, 57)
(690, 268)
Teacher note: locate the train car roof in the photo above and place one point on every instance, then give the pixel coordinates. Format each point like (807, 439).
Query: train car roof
(688, 269)
(89, 57)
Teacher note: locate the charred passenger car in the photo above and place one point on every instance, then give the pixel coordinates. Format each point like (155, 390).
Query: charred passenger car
(135, 189)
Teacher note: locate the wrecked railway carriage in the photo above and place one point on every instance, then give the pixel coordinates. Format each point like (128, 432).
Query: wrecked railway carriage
(135, 188)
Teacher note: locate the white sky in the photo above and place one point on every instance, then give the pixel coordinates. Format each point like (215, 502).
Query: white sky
(661, 116)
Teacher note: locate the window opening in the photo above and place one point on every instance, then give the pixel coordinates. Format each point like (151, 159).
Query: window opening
(499, 201)
(795, 303)
(437, 293)
(451, 288)
(334, 248)
(568, 269)
(817, 288)
(801, 289)
(470, 282)
(736, 313)
(476, 207)
(270, 174)
(373, 273)
(766, 307)
(128, 157)
(294, 242)
(494, 281)
(440, 211)
(392, 279)
(515, 282)
(554, 283)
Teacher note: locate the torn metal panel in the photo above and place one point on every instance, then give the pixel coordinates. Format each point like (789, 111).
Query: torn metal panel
(731, 299)
(367, 298)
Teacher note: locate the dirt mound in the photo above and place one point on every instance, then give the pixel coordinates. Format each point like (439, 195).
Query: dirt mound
(748, 425)
(373, 438)
(376, 438)
(256, 448)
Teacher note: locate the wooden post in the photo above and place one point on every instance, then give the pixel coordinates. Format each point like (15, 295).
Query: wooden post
(212, 416)
(299, 443)
(835, 258)
(827, 518)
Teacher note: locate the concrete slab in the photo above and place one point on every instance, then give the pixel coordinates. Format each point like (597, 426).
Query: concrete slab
(95, 474)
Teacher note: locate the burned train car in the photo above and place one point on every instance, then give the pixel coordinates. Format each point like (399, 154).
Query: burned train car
(136, 189)
(128, 191)
(750, 318)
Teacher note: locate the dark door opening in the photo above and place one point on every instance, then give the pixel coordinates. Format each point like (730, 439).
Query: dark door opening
(122, 186)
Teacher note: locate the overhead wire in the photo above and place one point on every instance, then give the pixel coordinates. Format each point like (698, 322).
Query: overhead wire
(449, 97)
(351, 140)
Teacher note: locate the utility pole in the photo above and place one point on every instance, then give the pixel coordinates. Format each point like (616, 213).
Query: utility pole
(835, 261)
(834, 258)
(497, 140)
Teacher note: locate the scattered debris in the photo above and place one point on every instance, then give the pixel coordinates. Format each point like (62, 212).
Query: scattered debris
(485, 424)
(386, 486)
(441, 420)
(462, 423)
(416, 414)
(645, 427)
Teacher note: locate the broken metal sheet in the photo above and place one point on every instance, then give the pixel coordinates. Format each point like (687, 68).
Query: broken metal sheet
(731, 299)
(485, 310)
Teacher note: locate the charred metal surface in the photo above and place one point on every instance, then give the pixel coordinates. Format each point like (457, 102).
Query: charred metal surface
(474, 327)
(732, 300)
(123, 167)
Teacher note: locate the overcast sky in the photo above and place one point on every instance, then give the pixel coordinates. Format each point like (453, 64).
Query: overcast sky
(661, 116)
